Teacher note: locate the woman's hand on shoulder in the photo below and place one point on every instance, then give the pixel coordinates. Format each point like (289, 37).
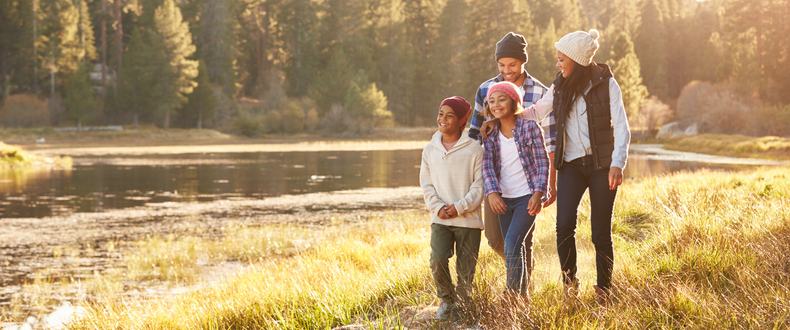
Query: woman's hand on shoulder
(487, 128)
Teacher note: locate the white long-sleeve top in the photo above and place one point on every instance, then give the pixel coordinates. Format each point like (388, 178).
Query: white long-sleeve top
(453, 177)
(577, 134)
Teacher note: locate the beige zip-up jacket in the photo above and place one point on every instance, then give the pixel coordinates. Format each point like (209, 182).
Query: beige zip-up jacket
(453, 177)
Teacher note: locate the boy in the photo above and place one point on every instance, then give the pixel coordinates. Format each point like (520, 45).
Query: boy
(452, 184)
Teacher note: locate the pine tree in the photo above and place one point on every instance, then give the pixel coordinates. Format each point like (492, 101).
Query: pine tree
(299, 25)
(450, 51)
(626, 71)
(487, 24)
(138, 75)
(650, 47)
(202, 102)
(543, 54)
(215, 42)
(80, 101)
(177, 72)
(333, 82)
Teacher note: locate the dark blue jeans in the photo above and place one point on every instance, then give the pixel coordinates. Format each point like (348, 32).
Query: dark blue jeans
(573, 179)
(515, 224)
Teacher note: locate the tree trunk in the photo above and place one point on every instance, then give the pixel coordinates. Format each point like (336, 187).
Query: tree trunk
(118, 38)
(103, 44)
(135, 122)
(166, 124)
(79, 124)
(200, 120)
(35, 52)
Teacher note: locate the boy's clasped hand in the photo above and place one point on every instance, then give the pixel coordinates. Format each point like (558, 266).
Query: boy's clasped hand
(448, 212)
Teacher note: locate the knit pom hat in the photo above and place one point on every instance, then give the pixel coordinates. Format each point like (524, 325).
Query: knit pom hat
(580, 46)
(460, 106)
(512, 45)
(508, 88)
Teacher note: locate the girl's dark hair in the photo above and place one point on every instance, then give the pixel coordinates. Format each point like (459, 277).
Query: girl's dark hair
(574, 86)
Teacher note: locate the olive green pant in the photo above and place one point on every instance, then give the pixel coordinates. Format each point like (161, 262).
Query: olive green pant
(497, 242)
(465, 243)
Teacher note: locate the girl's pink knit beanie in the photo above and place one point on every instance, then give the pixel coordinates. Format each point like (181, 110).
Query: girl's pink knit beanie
(508, 88)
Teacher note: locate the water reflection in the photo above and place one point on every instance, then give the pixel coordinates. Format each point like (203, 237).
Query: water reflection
(102, 183)
(97, 184)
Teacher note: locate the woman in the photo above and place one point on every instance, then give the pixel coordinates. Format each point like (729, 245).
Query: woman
(592, 150)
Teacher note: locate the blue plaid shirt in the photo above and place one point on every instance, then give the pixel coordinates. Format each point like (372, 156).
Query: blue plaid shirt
(533, 91)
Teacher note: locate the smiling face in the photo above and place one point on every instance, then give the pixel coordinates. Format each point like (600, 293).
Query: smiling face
(448, 121)
(565, 64)
(500, 105)
(510, 68)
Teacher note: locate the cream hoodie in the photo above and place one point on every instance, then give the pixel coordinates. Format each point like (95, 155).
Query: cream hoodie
(453, 177)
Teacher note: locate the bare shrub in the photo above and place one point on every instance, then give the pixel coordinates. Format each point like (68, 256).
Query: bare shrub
(722, 110)
(771, 120)
(652, 115)
(689, 99)
(25, 110)
(336, 120)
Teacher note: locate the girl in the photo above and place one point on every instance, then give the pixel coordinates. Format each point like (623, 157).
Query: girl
(452, 184)
(516, 171)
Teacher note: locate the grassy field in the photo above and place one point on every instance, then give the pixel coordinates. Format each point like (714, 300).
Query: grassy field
(771, 147)
(702, 250)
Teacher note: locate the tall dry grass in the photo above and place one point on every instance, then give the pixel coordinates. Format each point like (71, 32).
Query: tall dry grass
(701, 250)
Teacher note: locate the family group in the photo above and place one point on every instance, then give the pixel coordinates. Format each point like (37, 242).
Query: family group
(527, 146)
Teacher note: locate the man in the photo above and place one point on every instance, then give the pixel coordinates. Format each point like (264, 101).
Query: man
(511, 55)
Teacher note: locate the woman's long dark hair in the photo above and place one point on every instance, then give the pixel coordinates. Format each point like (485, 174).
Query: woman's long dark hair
(574, 86)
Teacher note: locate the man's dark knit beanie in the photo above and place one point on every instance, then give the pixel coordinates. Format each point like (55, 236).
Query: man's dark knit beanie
(512, 45)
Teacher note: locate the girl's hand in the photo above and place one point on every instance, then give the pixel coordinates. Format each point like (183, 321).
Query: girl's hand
(615, 177)
(535, 204)
(451, 211)
(497, 204)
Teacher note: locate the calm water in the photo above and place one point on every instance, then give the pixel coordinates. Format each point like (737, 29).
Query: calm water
(97, 184)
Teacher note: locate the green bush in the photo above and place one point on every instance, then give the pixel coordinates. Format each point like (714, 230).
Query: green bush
(274, 121)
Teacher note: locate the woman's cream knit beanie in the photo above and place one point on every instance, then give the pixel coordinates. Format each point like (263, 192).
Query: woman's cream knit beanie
(580, 46)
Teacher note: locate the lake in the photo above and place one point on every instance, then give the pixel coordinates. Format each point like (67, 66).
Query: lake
(97, 184)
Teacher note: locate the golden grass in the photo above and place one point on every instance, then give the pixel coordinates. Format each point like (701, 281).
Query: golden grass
(772, 147)
(14, 157)
(701, 250)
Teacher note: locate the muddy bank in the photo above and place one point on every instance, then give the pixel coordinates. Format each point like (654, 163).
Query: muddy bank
(29, 244)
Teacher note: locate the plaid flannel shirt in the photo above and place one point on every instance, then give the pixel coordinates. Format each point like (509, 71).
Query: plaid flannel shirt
(534, 159)
(533, 91)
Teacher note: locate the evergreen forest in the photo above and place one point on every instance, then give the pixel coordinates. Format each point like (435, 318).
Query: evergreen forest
(255, 67)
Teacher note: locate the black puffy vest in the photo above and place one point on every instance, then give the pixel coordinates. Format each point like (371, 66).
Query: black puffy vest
(599, 118)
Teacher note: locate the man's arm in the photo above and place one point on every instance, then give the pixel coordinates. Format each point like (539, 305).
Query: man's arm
(477, 115)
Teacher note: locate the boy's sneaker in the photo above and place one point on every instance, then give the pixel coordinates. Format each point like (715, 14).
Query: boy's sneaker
(443, 313)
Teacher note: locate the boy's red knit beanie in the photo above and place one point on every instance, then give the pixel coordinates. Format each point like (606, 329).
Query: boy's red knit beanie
(460, 106)
(508, 88)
